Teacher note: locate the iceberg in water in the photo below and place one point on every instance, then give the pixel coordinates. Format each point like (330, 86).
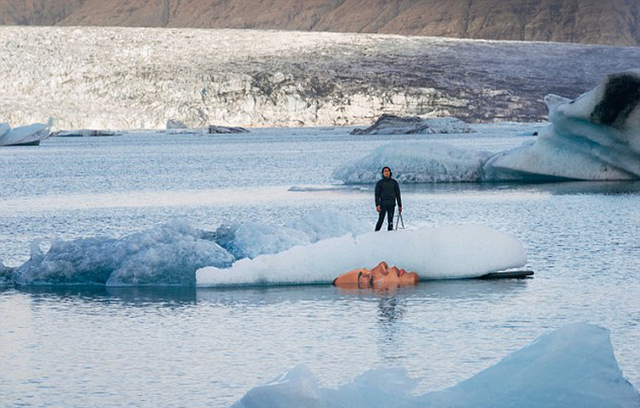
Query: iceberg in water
(23, 135)
(166, 255)
(416, 162)
(251, 239)
(594, 137)
(448, 252)
(169, 254)
(571, 367)
(412, 125)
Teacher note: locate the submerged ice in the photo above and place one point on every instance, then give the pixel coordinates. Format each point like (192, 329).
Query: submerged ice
(570, 367)
(594, 137)
(448, 252)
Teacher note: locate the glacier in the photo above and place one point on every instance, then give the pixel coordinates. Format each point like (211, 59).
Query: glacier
(446, 252)
(593, 137)
(573, 366)
(263, 78)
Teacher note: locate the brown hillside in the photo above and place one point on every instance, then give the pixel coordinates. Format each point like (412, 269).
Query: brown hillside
(613, 22)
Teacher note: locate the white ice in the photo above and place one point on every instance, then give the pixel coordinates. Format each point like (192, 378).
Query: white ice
(448, 252)
(251, 239)
(573, 366)
(594, 137)
(416, 162)
(23, 134)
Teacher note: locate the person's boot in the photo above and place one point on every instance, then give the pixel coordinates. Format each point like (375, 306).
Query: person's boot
(390, 228)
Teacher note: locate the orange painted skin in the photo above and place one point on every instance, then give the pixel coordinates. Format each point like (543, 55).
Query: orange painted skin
(380, 277)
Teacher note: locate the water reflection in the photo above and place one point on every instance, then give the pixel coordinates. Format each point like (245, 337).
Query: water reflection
(391, 302)
(132, 296)
(390, 312)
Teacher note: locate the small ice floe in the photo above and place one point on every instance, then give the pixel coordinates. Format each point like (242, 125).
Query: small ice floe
(85, 133)
(175, 124)
(332, 187)
(594, 137)
(573, 366)
(226, 130)
(397, 125)
(30, 135)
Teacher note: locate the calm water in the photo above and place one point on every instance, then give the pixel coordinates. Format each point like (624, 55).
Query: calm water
(172, 347)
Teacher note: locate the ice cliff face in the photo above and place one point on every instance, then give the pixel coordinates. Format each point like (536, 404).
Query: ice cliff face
(131, 78)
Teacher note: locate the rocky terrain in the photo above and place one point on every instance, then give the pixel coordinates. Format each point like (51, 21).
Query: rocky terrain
(132, 78)
(612, 22)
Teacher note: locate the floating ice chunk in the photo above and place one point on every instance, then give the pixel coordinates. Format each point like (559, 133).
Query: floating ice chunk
(443, 253)
(416, 162)
(252, 239)
(328, 224)
(164, 255)
(171, 253)
(397, 125)
(570, 367)
(23, 135)
(594, 137)
(296, 388)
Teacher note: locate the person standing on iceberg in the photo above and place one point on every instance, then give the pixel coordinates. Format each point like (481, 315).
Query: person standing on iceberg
(386, 194)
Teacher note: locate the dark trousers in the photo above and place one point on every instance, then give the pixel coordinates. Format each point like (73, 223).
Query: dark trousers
(386, 209)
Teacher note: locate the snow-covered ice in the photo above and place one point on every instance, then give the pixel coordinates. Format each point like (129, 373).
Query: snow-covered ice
(573, 366)
(23, 135)
(594, 137)
(447, 252)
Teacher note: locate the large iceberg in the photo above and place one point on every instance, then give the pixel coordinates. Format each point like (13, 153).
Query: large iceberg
(570, 367)
(447, 252)
(24, 135)
(594, 137)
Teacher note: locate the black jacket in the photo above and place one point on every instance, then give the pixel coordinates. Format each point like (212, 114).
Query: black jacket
(388, 192)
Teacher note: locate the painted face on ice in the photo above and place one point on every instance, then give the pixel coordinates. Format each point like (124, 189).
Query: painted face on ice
(380, 277)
